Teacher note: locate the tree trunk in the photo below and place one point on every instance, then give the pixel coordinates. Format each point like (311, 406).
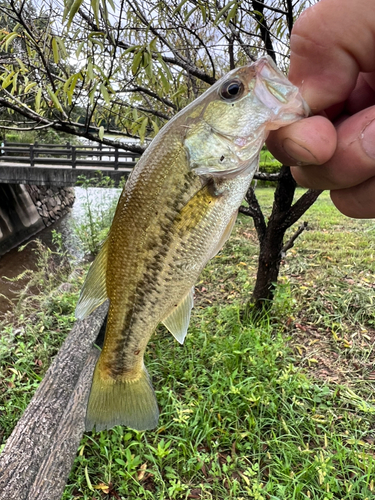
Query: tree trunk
(271, 235)
(39, 454)
(268, 268)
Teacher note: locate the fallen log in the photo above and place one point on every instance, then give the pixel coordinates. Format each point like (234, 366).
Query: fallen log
(39, 454)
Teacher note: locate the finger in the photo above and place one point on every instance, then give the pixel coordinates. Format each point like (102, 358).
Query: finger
(357, 202)
(363, 96)
(329, 49)
(309, 141)
(354, 158)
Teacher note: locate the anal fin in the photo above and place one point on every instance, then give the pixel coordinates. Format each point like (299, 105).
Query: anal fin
(178, 320)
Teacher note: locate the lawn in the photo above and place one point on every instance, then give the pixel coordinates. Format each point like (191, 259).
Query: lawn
(281, 409)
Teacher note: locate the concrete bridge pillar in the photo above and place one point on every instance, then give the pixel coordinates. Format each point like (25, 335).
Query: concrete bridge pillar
(25, 210)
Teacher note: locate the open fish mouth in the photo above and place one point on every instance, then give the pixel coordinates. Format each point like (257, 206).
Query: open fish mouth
(275, 91)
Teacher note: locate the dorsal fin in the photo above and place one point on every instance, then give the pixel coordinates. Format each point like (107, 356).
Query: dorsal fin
(94, 291)
(177, 321)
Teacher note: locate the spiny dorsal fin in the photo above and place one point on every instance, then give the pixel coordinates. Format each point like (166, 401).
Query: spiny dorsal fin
(177, 321)
(94, 291)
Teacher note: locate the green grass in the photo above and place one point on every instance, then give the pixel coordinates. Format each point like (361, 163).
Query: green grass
(284, 409)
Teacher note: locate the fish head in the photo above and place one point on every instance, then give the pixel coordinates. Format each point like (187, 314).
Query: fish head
(227, 126)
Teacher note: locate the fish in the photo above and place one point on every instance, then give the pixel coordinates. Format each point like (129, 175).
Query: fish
(175, 213)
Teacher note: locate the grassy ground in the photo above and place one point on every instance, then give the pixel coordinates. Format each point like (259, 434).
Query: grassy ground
(280, 410)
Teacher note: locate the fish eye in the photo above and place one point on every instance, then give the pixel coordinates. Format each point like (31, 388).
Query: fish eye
(231, 90)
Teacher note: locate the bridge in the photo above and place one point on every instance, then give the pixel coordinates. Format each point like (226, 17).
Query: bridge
(61, 165)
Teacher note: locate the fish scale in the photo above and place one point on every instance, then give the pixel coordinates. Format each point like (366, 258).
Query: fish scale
(176, 211)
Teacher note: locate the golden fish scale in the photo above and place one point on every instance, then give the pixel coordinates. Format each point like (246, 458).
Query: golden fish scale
(157, 234)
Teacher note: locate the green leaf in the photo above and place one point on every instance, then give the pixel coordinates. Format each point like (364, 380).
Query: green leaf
(142, 129)
(29, 86)
(88, 480)
(92, 94)
(179, 7)
(136, 61)
(164, 80)
(111, 3)
(21, 65)
(89, 71)
(120, 461)
(73, 11)
(62, 48)
(67, 83)
(79, 48)
(168, 73)
(231, 14)
(101, 132)
(104, 93)
(132, 48)
(68, 6)
(203, 12)
(153, 45)
(54, 99)
(223, 11)
(95, 8)
(55, 50)
(14, 83)
(155, 127)
(70, 86)
(190, 13)
(9, 39)
(7, 81)
(149, 69)
(37, 100)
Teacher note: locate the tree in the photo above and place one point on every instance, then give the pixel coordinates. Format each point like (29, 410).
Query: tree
(92, 67)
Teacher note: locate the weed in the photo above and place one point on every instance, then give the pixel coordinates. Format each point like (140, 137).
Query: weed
(283, 409)
(98, 212)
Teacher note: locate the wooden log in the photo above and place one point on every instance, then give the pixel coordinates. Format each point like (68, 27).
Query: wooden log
(38, 455)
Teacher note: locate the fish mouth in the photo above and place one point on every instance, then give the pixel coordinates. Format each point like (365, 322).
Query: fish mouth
(276, 92)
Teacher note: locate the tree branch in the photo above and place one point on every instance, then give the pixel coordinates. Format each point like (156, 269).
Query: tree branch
(289, 244)
(192, 69)
(289, 16)
(148, 92)
(254, 211)
(300, 206)
(263, 176)
(264, 29)
(74, 128)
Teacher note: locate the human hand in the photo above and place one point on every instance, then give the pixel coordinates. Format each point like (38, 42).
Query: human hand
(332, 61)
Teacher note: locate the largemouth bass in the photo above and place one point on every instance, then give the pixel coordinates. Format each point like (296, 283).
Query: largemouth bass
(175, 213)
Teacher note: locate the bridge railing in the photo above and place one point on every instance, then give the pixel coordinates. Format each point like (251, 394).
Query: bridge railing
(67, 155)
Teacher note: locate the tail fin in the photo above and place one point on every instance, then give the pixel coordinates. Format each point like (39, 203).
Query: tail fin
(121, 402)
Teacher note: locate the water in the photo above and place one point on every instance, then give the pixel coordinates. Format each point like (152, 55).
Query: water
(15, 262)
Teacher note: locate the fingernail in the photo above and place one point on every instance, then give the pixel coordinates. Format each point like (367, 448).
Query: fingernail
(298, 153)
(368, 140)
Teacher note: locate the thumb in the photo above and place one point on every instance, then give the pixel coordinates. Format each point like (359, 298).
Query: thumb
(354, 160)
(331, 43)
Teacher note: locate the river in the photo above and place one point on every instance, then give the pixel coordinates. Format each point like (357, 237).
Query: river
(15, 262)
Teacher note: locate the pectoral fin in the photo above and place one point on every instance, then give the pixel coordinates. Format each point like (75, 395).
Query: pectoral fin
(94, 291)
(178, 320)
(224, 236)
